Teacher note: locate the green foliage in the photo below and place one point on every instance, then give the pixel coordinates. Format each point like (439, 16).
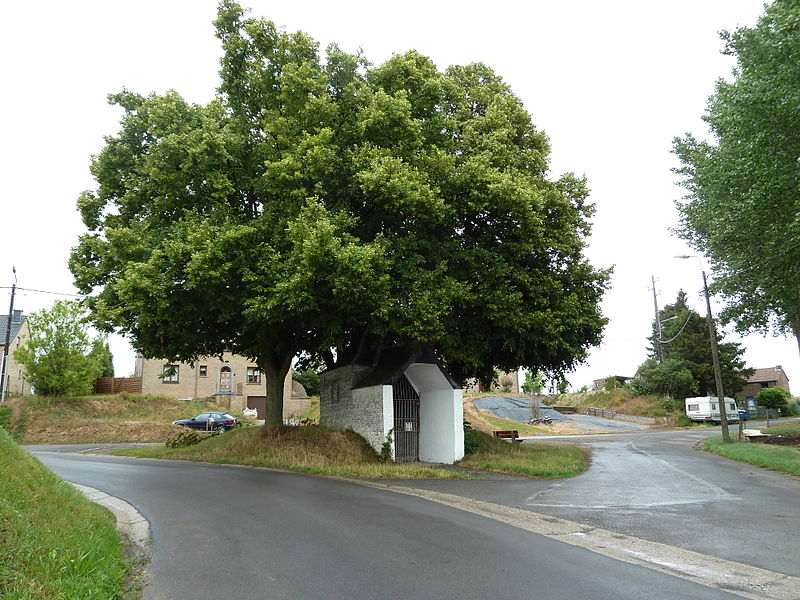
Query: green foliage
(533, 384)
(309, 379)
(774, 398)
(323, 205)
(611, 383)
(671, 405)
(688, 368)
(102, 354)
(386, 447)
(59, 357)
(742, 210)
(5, 416)
(672, 377)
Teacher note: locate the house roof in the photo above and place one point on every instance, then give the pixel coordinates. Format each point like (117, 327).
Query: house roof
(766, 374)
(17, 321)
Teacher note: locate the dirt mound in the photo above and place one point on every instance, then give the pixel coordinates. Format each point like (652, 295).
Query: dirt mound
(784, 440)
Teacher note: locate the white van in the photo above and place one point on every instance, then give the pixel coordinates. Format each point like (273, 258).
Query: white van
(706, 409)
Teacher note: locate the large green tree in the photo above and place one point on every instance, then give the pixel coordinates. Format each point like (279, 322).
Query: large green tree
(743, 206)
(60, 357)
(687, 368)
(326, 206)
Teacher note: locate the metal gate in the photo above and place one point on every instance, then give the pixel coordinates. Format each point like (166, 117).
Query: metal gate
(406, 420)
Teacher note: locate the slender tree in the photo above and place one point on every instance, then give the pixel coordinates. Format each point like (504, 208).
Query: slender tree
(59, 357)
(742, 209)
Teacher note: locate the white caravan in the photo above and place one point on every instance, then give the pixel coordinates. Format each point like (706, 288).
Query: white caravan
(706, 409)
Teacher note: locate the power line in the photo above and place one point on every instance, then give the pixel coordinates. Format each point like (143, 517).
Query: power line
(8, 287)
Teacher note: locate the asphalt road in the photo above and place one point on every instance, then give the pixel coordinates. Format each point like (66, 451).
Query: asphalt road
(254, 533)
(658, 487)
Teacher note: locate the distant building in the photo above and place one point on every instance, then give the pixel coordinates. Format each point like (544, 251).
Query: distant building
(762, 379)
(600, 384)
(231, 380)
(15, 382)
(504, 382)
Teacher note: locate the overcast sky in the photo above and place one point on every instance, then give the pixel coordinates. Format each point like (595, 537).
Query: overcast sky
(611, 83)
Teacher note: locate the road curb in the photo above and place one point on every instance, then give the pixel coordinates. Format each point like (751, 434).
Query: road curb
(129, 520)
(710, 571)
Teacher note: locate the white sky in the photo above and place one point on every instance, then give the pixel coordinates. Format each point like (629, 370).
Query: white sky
(611, 83)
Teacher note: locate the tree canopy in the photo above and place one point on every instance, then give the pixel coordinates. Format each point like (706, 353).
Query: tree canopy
(59, 357)
(687, 369)
(319, 206)
(743, 204)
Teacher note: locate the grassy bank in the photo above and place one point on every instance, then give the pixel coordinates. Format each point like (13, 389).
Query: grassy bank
(621, 400)
(776, 458)
(98, 419)
(54, 543)
(325, 451)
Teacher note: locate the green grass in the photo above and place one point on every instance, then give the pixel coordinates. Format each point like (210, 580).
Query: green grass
(777, 458)
(782, 429)
(54, 543)
(532, 459)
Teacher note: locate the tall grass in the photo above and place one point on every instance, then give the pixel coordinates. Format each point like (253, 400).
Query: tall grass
(54, 543)
(310, 449)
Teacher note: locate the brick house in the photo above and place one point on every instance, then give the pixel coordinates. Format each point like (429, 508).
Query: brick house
(233, 381)
(761, 379)
(15, 382)
(395, 393)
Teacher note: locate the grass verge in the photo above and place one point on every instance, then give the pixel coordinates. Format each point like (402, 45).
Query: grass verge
(332, 452)
(310, 449)
(54, 543)
(776, 458)
(532, 459)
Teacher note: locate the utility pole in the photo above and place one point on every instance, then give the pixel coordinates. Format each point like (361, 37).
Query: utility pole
(712, 332)
(4, 369)
(659, 336)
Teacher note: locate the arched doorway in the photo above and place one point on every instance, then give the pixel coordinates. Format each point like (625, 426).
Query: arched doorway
(225, 380)
(406, 420)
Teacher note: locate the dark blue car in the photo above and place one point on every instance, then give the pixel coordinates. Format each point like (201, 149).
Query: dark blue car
(743, 414)
(209, 421)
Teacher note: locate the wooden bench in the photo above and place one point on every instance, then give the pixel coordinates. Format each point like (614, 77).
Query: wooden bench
(508, 434)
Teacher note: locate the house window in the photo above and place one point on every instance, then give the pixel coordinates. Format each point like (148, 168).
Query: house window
(170, 374)
(203, 370)
(253, 375)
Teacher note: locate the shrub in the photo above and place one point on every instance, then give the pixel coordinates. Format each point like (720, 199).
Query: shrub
(670, 404)
(190, 437)
(386, 447)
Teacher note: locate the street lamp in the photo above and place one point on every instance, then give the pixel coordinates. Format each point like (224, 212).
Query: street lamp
(712, 332)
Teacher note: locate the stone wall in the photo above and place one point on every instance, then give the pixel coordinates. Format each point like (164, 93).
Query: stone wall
(361, 410)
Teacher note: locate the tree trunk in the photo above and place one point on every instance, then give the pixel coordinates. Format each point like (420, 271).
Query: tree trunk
(275, 369)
